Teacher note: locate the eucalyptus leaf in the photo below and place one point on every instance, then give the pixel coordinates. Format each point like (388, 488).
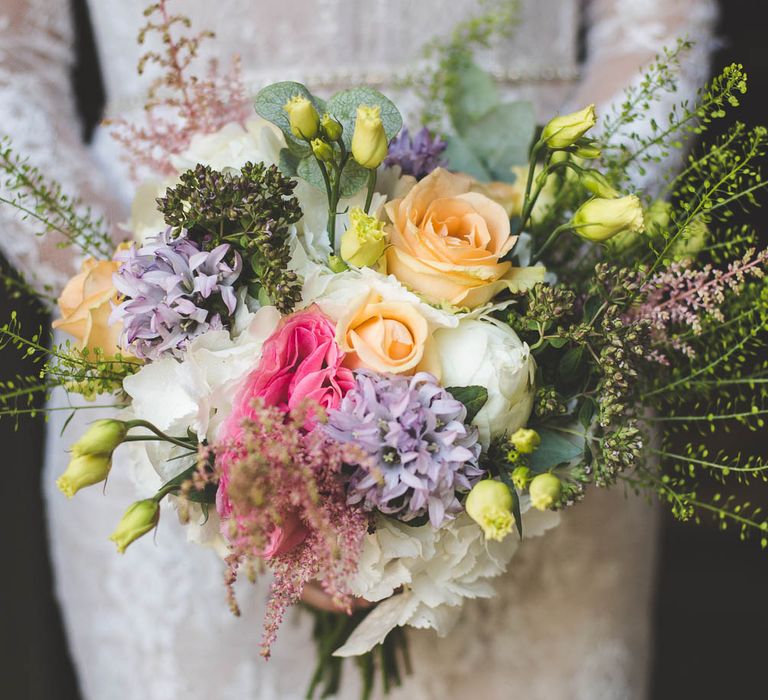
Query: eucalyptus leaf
(353, 177)
(343, 106)
(502, 137)
(473, 93)
(270, 103)
(473, 397)
(289, 162)
(556, 448)
(461, 158)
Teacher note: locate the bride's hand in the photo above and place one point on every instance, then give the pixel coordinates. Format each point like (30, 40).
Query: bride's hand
(315, 596)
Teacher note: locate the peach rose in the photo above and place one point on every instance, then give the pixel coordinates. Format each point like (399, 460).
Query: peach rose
(85, 305)
(386, 336)
(447, 242)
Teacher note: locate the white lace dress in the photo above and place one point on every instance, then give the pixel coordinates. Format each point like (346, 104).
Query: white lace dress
(572, 619)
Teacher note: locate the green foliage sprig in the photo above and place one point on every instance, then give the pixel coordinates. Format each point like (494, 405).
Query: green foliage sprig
(45, 203)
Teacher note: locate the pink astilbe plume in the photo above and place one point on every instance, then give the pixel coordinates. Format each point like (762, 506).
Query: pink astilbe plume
(287, 506)
(179, 103)
(683, 296)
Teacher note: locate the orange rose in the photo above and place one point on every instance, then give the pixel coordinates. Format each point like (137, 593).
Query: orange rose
(447, 242)
(386, 336)
(85, 307)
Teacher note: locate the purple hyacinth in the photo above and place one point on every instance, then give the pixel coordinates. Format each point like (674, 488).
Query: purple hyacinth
(173, 292)
(421, 449)
(417, 156)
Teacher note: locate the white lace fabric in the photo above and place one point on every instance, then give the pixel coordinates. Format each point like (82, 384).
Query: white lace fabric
(572, 619)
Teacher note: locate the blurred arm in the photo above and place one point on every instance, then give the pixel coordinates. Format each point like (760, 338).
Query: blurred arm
(38, 113)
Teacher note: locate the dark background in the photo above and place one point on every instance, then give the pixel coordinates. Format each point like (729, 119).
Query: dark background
(711, 614)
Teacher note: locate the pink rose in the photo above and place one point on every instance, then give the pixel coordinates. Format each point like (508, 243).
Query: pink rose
(300, 361)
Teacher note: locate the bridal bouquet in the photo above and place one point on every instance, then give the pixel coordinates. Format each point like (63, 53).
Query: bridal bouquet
(376, 359)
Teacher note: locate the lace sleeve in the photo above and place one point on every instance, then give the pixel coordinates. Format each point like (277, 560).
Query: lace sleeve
(624, 36)
(38, 114)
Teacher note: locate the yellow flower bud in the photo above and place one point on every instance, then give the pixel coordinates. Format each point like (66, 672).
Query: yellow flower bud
(369, 142)
(525, 440)
(597, 184)
(545, 490)
(521, 477)
(303, 117)
(565, 130)
(83, 470)
(489, 504)
(138, 520)
(322, 150)
(101, 438)
(331, 127)
(599, 219)
(363, 243)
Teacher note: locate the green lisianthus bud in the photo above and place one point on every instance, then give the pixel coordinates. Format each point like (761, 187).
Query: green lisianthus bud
(322, 150)
(363, 243)
(597, 184)
(369, 141)
(545, 490)
(599, 219)
(562, 132)
(489, 504)
(138, 520)
(303, 117)
(521, 477)
(331, 127)
(588, 151)
(525, 440)
(101, 438)
(84, 470)
(337, 264)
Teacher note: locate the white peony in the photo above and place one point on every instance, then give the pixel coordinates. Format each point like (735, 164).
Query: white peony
(232, 146)
(434, 572)
(484, 353)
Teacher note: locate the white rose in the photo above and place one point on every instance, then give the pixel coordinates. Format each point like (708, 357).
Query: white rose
(484, 353)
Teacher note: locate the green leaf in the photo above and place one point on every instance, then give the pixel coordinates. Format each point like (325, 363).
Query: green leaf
(343, 106)
(353, 177)
(207, 495)
(462, 159)
(502, 138)
(270, 103)
(591, 307)
(586, 412)
(558, 342)
(570, 364)
(472, 95)
(556, 448)
(473, 397)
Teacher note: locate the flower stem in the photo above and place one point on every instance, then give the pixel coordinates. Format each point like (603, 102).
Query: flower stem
(548, 243)
(188, 444)
(371, 187)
